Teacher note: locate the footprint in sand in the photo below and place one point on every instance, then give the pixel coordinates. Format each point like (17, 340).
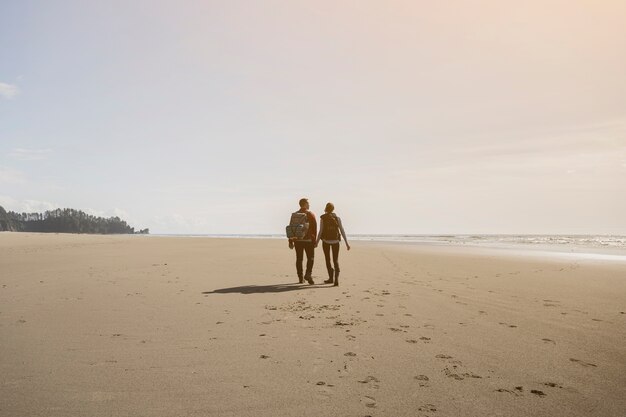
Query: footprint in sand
(423, 380)
(505, 390)
(349, 354)
(451, 373)
(507, 324)
(370, 379)
(411, 341)
(395, 329)
(583, 363)
(324, 389)
(538, 392)
(549, 341)
(425, 339)
(369, 402)
(427, 408)
(517, 391)
(552, 385)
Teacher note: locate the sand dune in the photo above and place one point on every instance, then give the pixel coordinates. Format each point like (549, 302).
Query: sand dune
(150, 326)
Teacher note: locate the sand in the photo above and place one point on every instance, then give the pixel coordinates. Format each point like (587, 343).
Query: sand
(164, 326)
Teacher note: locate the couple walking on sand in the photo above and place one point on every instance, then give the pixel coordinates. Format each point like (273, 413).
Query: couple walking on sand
(330, 233)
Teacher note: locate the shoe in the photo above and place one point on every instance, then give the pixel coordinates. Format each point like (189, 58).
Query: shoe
(330, 277)
(301, 280)
(308, 279)
(336, 278)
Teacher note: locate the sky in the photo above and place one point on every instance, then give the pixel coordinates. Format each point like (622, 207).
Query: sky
(421, 117)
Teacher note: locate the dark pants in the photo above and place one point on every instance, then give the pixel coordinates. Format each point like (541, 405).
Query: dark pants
(335, 248)
(301, 247)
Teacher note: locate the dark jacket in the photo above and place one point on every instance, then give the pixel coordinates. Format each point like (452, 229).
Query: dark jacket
(312, 233)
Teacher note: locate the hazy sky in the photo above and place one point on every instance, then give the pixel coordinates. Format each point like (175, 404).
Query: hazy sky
(411, 116)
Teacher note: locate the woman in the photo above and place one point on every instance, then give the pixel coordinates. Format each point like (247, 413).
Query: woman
(331, 231)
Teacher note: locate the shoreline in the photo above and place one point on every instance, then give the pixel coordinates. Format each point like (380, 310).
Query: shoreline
(612, 254)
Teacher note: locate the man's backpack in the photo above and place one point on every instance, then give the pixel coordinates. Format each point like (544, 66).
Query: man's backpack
(331, 227)
(298, 226)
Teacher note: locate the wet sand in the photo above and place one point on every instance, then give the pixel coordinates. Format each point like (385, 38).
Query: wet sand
(164, 326)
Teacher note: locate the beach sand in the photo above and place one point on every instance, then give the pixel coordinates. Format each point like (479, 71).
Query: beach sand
(166, 326)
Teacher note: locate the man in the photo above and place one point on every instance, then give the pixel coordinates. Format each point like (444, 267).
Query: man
(306, 244)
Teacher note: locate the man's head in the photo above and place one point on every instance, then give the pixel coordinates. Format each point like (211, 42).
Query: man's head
(330, 207)
(304, 203)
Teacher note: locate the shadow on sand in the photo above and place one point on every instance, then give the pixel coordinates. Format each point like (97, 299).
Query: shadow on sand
(260, 289)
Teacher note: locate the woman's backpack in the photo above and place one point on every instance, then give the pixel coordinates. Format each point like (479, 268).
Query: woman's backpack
(331, 227)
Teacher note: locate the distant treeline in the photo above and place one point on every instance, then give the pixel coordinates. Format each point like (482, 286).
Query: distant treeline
(63, 221)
